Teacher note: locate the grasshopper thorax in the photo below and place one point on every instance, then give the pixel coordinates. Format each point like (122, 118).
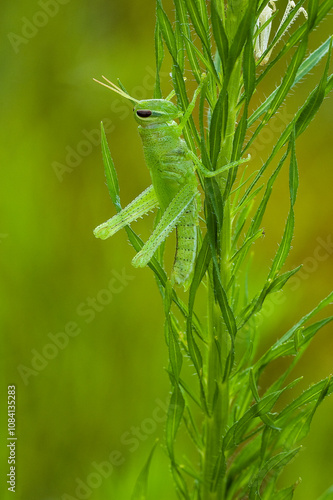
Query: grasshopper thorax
(155, 111)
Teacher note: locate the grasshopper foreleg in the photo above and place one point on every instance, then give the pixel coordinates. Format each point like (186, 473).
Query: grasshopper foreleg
(190, 107)
(213, 173)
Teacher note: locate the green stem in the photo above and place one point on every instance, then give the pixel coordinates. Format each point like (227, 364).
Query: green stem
(213, 426)
(219, 341)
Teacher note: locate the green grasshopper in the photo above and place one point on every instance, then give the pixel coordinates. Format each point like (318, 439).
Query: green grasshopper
(174, 186)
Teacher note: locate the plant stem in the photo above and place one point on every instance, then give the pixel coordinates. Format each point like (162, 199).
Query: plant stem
(214, 421)
(219, 341)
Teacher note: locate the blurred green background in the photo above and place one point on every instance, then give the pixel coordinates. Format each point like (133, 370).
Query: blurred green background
(99, 396)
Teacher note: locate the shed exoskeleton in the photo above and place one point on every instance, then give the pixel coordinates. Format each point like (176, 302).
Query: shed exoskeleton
(265, 18)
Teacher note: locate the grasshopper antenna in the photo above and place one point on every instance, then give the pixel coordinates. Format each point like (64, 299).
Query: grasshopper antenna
(114, 88)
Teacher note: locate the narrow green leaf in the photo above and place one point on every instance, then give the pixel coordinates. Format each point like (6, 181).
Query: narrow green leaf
(257, 219)
(244, 208)
(225, 308)
(218, 127)
(206, 60)
(313, 104)
(285, 494)
(328, 495)
(329, 85)
(192, 429)
(240, 135)
(242, 34)
(201, 266)
(308, 396)
(174, 417)
(220, 36)
(266, 419)
(237, 145)
(244, 466)
(202, 124)
(110, 171)
(214, 202)
(219, 471)
(303, 70)
(159, 56)
(198, 23)
(220, 293)
(190, 392)
(199, 271)
(276, 463)
(293, 171)
(141, 486)
(245, 202)
(202, 8)
(253, 385)
(302, 426)
(249, 69)
(166, 30)
(179, 37)
(278, 283)
(175, 355)
(271, 286)
(185, 29)
(259, 409)
(193, 349)
(313, 8)
(243, 217)
(239, 428)
(265, 441)
(246, 245)
(325, 302)
(288, 348)
(229, 363)
(284, 88)
(285, 135)
(285, 245)
(180, 483)
(167, 298)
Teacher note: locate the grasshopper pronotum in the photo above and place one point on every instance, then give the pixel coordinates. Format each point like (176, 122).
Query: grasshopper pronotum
(174, 184)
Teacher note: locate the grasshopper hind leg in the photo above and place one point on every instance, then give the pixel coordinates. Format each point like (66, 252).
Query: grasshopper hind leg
(186, 245)
(143, 204)
(171, 217)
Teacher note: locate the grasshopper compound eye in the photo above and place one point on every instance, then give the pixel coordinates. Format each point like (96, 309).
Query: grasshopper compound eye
(143, 113)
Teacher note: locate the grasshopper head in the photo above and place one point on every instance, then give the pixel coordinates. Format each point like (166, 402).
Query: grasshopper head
(156, 111)
(150, 111)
